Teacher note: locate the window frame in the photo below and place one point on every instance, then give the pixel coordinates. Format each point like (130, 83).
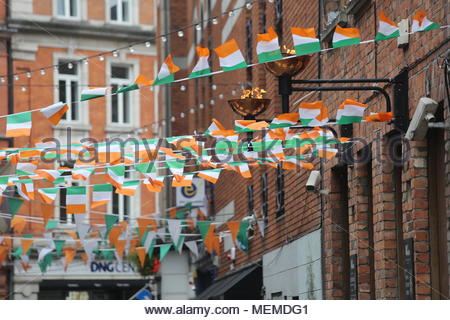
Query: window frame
(69, 78)
(121, 199)
(66, 9)
(119, 12)
(120, 82)
(135, 101)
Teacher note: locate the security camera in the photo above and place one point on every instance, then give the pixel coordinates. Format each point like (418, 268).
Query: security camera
(312, 185)
(424, 114)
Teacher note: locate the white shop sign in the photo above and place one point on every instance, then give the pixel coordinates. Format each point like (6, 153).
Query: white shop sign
(194, 194)
(95, 269)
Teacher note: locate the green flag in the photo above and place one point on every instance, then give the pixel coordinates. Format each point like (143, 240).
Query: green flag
(51, 224)
(203, 228)
(46, 262)
(14, 205)
(110, 221)
(163, 250)
(59, 245)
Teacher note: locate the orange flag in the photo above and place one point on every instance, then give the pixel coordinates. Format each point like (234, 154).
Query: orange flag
(114, 234)
(141, 254)
(120, 247)
(3, 254)
(234, 226)
(69, 253)
(26, 244)
(47, 212)
(212, 241)
(18, 224)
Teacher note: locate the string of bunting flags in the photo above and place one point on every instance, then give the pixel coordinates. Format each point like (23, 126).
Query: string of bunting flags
(230, 58)
(291, 140)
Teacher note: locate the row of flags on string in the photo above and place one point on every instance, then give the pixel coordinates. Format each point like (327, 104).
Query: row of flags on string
(230, 58)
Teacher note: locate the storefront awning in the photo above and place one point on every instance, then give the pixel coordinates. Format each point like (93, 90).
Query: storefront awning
(221, 285)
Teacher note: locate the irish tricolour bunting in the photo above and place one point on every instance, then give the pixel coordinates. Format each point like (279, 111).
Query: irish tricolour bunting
(94, 93)
(48, 195)
(305, 41)
(76, 200)
(55, 112)
(284, 120)
(230, 56)
(18, 125)
(313, 113)
(101, 195)
(268, 48)
(421, 23)
(202, 67)
(350, 111)
(345, 37)
(167, 71)
(387, 29)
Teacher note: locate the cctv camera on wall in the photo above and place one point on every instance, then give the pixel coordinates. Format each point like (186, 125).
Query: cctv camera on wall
(424, 114)
(312, 185)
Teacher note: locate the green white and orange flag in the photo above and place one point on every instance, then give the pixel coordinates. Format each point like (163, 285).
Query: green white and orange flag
(49, 175)
(387, 29)
(421, 23)
(82, 173)
(350, 111)
(305, 41)
(313, 113)
(140, 82)
(25, 188)
(93, 93)
(167, 71)
(183, 181)
(214, 127)
(176, 166)
(284, 120)
(76, 200)
(210, 175)
(129, 188)
(249, 125)
(230, 56)
(48, 195)
(25, 168)
(268, 48)
(18, 125)
(55, 112)
(102, 194)
(115, 175)
(202, 68)
(323, 151)
(345, 37)
(109, 152)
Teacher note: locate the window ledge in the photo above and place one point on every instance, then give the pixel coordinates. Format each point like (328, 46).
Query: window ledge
(351, 8)
(74, 126)
(120, 128)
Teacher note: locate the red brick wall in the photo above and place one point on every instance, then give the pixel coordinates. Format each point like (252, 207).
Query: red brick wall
(378, 253)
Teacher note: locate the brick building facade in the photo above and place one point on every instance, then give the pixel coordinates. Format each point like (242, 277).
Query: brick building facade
(51, 32)
(383, 226)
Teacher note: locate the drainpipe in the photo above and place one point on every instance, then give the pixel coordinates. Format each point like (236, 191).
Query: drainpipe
(10, 71)
(319, 76)
(167, 94)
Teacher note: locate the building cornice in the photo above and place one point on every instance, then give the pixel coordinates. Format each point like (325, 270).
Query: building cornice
(83, 29)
